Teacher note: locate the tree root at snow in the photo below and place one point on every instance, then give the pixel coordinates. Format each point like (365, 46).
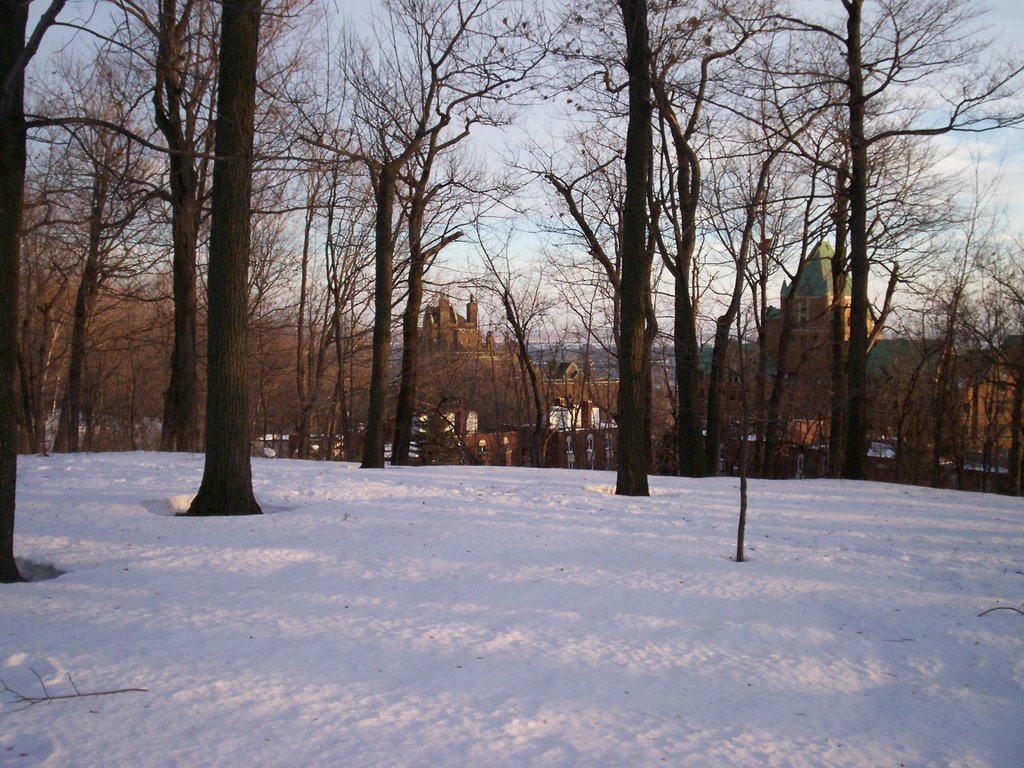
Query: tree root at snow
(30, 701)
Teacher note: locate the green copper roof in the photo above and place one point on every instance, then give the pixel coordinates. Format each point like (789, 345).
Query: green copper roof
(706, 353)
(889, 355)
(816, 278)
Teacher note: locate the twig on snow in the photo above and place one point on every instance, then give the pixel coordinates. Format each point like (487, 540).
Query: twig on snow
(30, 701)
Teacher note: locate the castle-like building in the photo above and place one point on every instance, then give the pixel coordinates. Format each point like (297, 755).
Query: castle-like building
(797, 339)
(809, 301)
(474, 395)
(444, 330)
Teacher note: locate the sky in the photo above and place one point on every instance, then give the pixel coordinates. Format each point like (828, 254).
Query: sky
(999, 155)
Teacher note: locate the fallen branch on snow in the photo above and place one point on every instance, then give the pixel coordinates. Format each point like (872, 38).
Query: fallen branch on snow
(1004, 608)
(30, 701)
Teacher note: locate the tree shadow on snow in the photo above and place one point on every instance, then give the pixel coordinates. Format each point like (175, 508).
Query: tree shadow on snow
(33, 571)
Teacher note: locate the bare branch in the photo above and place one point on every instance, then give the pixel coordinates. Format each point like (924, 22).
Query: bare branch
(27, 701)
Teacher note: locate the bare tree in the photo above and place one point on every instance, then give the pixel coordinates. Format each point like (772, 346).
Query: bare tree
(176, 44)
(226, 488)
(753, 192)
(634, 343)
(690, 51)
(15, 53)
(524, 303)
(1001, 326)
(349, 261)
(423, 194)
(891, 51)
(101, 207)
(436, 70)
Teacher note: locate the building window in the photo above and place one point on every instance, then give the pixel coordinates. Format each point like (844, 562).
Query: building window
(803, 311)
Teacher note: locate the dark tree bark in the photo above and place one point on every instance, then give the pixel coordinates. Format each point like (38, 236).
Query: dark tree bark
(405, 407)
(302, 446)
(180, 431)
(385, 181)
(686, 349)
(687, 361)
(923, 45)
(15, 54)
(945, 417)
(12, 182)
(85, 299)
(716, 377)
(309, 357)
(855, 459)
(226, 487)
(695, 454)
(181, 403)
(634, 353)
(838, 342)
(744, 453)
(420, 259)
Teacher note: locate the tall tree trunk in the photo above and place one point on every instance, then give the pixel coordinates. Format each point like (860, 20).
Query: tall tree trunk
(687, 361)
(686, 349)
(302, 384)
(342, 353)
(30, 411)
(13, 59)
(837, 414)
(180, 429)
(226, 488)
(71, 403)
(744, 449)
(634, 354)
(773, 409)
(85, 300)
(716, 378)
(761, 372)
(376, 420)
(405, 407)
(855, 459)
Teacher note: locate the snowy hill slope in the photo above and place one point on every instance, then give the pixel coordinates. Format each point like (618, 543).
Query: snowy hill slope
(508, 617)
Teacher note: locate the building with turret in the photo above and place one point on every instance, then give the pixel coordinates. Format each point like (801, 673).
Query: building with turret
(798, 339)
(806, 308)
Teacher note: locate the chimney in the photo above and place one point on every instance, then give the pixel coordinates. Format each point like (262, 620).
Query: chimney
(471, 312)
(443, 310)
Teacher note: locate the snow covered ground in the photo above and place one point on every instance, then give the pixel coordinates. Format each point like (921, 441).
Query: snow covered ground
(508, 617)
